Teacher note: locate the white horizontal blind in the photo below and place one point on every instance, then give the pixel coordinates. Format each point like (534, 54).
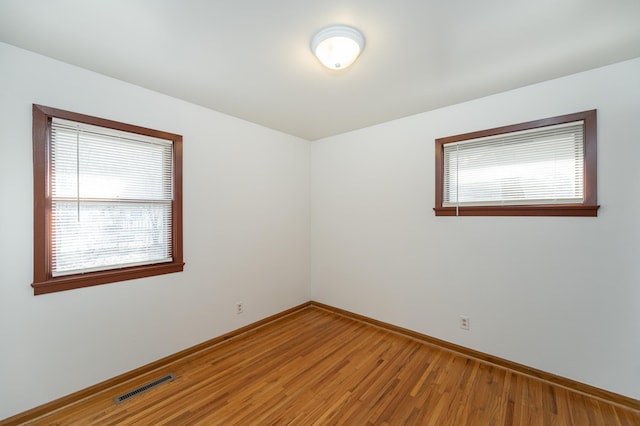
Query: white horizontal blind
(536, 166)
(112, 194)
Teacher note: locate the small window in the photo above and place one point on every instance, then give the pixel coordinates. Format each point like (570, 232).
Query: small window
(107, 201)
(540, 168)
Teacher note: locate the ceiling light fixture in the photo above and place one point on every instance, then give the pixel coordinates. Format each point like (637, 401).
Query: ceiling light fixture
(337, 46)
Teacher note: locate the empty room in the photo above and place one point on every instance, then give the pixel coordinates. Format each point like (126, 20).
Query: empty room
(319, 212)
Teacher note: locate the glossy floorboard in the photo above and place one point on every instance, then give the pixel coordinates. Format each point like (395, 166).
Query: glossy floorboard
(316, 367)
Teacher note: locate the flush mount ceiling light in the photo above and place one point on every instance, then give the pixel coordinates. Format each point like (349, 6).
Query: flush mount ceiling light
(337, 46)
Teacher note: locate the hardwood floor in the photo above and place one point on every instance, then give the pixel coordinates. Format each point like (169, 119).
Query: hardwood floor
(316, 367)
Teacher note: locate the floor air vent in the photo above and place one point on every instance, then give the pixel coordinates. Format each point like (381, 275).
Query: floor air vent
(143, 388)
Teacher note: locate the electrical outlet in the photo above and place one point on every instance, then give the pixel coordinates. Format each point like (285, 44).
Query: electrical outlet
(239, 308)
(464, 322)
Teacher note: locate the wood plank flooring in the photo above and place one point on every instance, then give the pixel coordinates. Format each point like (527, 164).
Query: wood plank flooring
(315, 367)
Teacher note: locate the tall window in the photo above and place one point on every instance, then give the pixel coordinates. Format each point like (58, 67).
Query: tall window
(545, 167)
(107, 201)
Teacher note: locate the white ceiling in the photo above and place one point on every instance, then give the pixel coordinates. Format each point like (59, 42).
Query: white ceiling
(251, 58)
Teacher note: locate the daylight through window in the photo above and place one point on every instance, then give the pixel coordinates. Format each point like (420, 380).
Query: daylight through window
(112, 201)
(111, 198)
(532, 168)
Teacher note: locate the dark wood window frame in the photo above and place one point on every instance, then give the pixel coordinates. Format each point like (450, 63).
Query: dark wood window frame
(589, 207)
(43, 281)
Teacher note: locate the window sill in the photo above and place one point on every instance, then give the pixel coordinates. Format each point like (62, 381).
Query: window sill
(542, 210)
(70, 282)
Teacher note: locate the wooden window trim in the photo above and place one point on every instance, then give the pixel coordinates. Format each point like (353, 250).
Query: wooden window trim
(588, 208)
(43, 281)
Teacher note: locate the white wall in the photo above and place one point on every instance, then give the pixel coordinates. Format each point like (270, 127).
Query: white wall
(558, 294)
(246, 238)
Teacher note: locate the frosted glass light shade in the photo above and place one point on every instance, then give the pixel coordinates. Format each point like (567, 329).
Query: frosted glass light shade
(338, 46)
